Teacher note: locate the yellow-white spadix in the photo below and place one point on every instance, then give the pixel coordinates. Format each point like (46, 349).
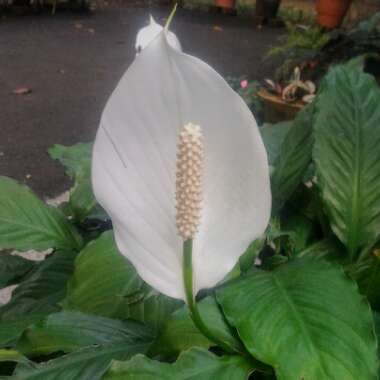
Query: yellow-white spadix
(135, 169)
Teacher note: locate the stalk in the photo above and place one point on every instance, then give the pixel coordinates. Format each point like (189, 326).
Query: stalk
(191, 302)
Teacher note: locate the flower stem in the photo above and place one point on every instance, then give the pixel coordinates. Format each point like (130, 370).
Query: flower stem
(191, 302)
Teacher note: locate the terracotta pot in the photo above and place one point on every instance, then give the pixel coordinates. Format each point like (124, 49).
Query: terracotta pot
(277, 110)
(330, 13)
(229, 4)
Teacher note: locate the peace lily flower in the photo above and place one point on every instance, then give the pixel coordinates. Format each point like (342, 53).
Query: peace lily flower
(180, 167)
(150, 32)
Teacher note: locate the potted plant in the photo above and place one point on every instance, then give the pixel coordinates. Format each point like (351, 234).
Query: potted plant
(330, 13)
(228, 4)
(282, 102)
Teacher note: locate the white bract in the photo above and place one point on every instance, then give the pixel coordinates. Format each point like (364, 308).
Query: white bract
(135, 159)
(150, 32)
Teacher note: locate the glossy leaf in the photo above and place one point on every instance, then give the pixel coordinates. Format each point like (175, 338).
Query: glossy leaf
(292, 159)
(59, 332)
(13, 268)
(306, 319)
(37, 296)
(180, 333)
(368, 278)
(134, 168)
(86, 364)
(194, 364)
(151, 308)
(27, 223)
(273, 137)
(347, 154)
(104, 282)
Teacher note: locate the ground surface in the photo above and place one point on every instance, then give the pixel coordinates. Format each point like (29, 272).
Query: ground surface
(72, 62)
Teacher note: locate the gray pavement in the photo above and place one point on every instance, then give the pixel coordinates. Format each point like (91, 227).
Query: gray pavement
(72, 61)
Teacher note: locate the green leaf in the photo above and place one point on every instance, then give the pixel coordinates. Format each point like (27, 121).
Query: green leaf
(37, 296)
(27, 223)
(292, 160)
(194, 364)
(73, 158)
(180, 333)
(329, 249)
(86, 364)
(49, 278)
(273, 136)
(13, 268)
(82, 200)
(11, 329)
(247, 260)
(77, 161)
(300, 231)
(376, 317)
(368, 278)
(104, 282)
(306, 319)
(151, 308)
(12, 355)
(347, 154)
(59, 332)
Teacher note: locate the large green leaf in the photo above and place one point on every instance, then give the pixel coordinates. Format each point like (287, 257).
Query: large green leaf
(194, 364)
(151, 308)
(367, 274)
(292, 160)
(86, 364)
(347, 154)
(12, 328)
(37, 296)
(306, 319)
(104, 282)
(273, 137)
(13, 268)
(59, 332)
(180, 333)
(27, 223)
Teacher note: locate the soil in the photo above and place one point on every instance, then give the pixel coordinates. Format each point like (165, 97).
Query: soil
(57, 71)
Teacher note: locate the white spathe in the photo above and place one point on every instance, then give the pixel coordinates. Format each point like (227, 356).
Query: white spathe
(150, 32)
(134, 168)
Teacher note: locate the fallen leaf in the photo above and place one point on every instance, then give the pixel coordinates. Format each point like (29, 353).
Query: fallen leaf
(22, 91)
(217, 28)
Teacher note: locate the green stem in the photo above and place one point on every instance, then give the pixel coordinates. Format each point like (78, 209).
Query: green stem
(191, 302)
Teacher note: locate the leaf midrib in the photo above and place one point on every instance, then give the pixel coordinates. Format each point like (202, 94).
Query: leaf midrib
(303, 327)
(354, 214)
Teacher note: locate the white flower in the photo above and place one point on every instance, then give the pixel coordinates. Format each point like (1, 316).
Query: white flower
(134, 168)
(150, 32)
